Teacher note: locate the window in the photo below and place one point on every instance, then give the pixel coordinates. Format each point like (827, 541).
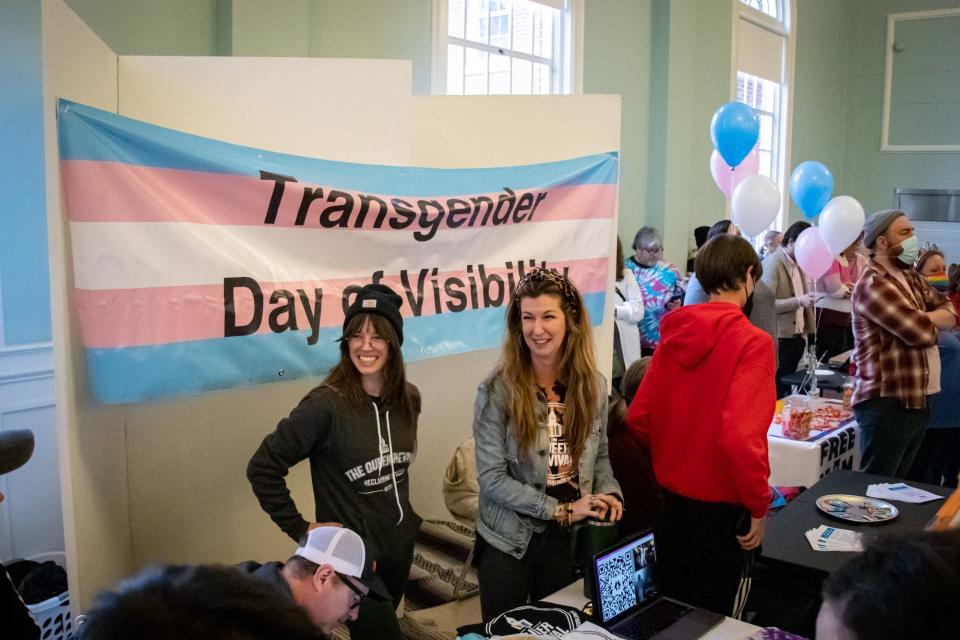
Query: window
(500, 47)
(772, 8)
(764, 75)
(764, 96)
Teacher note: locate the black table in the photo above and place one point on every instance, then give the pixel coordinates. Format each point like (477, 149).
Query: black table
(786, 543)
(832, 382)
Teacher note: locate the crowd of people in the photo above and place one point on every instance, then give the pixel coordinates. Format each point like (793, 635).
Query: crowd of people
(555, 447)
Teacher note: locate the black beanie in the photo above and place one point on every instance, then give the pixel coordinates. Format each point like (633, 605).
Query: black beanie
(381, 300)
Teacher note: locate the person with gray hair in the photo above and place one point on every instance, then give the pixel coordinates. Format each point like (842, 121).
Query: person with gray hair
(771, 242)
(660, 283)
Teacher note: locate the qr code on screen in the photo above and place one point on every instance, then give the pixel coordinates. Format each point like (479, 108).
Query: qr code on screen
(615, 584)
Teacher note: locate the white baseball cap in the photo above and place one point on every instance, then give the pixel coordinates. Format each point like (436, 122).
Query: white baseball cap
(345, 551)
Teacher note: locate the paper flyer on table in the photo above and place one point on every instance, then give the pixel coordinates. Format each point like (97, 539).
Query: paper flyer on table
(825, 538)
(902, 492)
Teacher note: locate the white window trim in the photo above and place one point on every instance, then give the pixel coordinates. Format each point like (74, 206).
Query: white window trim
(892, 19)
(438, 81)
(787, 29)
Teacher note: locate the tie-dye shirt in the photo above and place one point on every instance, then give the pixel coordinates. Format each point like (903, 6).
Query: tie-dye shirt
(658, 283)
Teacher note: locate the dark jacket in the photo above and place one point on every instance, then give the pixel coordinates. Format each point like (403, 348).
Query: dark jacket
(359, 463)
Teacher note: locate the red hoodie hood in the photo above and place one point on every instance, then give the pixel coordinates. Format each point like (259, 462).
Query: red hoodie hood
(690, 334)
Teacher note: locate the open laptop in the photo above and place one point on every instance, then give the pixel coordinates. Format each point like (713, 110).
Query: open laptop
(627, 597)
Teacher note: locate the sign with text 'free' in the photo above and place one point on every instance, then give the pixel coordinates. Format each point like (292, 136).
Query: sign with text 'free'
(203, 265)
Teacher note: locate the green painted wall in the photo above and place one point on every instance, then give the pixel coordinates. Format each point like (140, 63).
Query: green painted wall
(838, 100)
(270, 29)
(397, 29)
(152, 27)
(925, 91)
(871, 175)
(619, 30)
(689, 78)
(821, 71)
(711, 74)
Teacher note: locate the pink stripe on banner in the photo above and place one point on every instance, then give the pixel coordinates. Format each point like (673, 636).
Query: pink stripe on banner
(161, 315)
(116, 192)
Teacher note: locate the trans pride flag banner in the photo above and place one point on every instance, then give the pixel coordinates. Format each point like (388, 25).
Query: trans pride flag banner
(203, 265)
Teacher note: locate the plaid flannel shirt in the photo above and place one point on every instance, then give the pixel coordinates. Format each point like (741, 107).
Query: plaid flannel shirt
(892, 332)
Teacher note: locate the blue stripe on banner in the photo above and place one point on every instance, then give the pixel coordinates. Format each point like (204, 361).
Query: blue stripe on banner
(86, 133)
(119, 375)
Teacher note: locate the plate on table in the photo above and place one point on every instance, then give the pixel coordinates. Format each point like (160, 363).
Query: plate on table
(856, 508)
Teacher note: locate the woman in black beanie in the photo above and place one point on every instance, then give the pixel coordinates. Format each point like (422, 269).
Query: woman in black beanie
(358, 428)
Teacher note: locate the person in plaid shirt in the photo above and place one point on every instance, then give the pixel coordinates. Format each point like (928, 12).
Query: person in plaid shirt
(896, 315)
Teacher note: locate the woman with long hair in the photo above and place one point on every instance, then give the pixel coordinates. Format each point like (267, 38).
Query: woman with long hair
(540, 430)
(358, 428)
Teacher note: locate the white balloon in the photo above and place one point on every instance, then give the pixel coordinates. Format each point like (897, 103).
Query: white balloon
(755, 204)
(841, 222)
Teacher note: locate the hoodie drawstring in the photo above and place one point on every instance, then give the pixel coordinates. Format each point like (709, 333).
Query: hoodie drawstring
(393, 474)
(396, 494)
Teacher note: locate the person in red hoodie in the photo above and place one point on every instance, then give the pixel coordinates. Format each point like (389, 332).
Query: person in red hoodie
(703, 409)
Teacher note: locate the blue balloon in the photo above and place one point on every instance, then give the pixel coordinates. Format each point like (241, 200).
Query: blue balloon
(811, 185)
(734, 130)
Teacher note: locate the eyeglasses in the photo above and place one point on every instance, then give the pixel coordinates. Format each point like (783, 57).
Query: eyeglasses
(347, 581)
(657, 249)
(375, 341)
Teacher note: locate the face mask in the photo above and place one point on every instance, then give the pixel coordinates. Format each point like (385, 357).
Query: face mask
(748, 306)
(939, 281)
(910, 251)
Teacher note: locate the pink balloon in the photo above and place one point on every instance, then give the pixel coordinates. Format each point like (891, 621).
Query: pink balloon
(726, 178)
(812, 253)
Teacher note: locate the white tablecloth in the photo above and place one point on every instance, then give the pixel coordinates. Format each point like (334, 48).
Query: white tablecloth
(801, 463)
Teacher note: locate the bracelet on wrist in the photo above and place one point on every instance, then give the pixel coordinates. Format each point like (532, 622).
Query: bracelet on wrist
(563, 514)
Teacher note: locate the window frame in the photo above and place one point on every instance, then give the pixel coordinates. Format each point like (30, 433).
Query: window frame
(769, 21)
(785, 28)
(570, 35)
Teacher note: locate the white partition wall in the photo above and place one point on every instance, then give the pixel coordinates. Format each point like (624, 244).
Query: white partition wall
(165, 481)
(349, 110)
(92, 440)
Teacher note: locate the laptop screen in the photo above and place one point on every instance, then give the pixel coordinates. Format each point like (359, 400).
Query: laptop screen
(625, 576)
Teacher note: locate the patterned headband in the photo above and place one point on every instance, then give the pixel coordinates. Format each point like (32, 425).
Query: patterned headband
(539, 274)
(926, 250)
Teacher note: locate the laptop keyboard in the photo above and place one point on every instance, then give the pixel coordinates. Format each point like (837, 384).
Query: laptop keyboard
(652, 620)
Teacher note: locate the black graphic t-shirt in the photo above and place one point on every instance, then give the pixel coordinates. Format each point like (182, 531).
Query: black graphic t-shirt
(563, 478)
(545, 619)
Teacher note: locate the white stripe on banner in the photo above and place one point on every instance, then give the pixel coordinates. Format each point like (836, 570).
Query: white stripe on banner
(124, 255)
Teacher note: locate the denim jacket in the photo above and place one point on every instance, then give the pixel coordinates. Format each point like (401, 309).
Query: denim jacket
(513, 505)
